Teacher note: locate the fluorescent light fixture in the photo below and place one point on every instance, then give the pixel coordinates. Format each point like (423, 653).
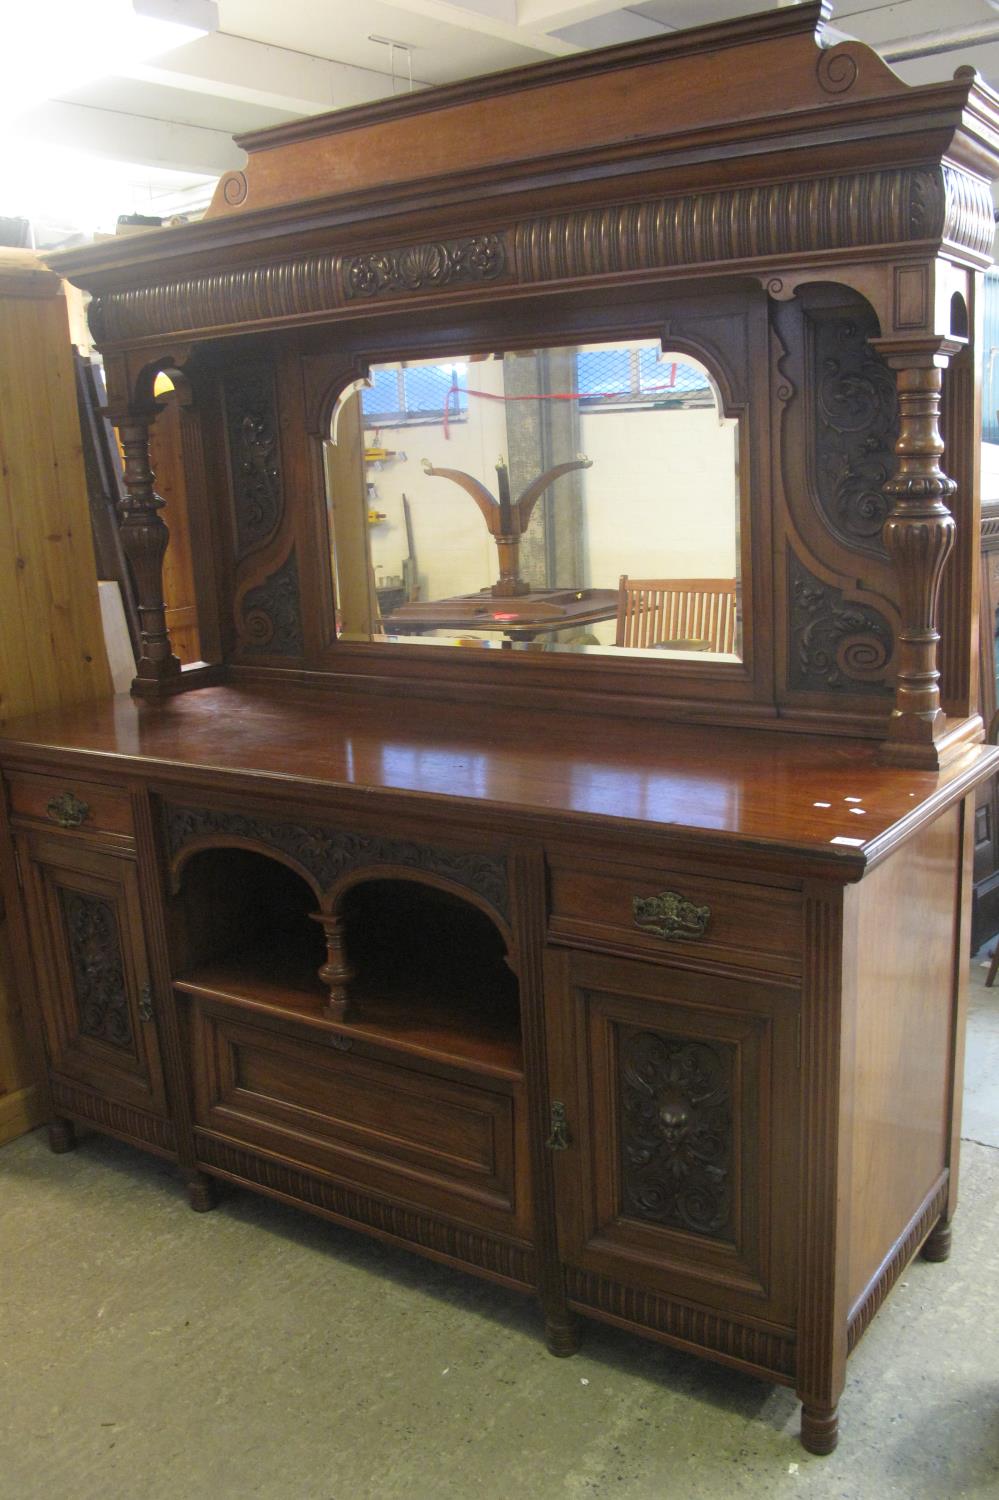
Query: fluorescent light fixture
(163, 20)
(49, 50)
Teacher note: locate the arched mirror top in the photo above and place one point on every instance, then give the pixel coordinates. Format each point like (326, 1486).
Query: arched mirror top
(579, 498)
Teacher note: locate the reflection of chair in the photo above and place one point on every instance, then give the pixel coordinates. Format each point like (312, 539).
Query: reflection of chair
(679, 612)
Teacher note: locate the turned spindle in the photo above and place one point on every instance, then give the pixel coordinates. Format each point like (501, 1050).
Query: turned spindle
(919, 537)
(337, 972)
(144, 538)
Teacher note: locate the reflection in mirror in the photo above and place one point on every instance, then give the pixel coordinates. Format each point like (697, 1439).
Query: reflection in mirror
(580, 499)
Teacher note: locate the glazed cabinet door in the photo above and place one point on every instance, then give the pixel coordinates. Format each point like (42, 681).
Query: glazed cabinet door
(93, 983)
(676, 1147)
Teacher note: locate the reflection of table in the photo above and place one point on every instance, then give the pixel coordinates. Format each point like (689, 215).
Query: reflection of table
(521, 619)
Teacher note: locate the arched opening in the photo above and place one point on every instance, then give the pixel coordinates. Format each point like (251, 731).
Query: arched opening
(958, 316)
(245, 924)
(431, 968)
(428, 969)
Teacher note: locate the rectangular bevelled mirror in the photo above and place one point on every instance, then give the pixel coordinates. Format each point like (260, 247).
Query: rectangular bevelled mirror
(581, 499)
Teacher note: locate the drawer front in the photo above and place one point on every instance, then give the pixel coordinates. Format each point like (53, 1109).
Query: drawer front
(67, 803)
(687, 917)
(441, 1145)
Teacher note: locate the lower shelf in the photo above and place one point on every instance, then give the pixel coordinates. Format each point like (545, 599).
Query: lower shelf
(470, 1027)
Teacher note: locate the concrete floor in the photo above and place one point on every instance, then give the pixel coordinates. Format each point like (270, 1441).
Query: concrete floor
(148, 1353)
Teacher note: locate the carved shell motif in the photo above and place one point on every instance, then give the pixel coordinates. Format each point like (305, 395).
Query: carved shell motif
(418, 267)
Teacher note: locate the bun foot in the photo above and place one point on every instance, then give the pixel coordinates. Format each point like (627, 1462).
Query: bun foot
(819, 1429)
(562, 1336)
(62, 1136)
(937, 1247)
(201, 1192)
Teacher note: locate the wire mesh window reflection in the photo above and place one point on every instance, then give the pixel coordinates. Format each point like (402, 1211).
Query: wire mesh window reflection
(397, 397)
(639, 377)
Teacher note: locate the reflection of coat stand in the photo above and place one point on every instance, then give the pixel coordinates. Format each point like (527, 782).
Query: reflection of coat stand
(507, 519)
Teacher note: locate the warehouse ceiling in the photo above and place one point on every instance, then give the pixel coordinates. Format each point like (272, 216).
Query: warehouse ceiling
(151, 135)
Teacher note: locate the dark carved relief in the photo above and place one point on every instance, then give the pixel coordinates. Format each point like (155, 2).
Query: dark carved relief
(834, 644)
(676, 1131)
(251, 429)
(418, 267)
(95, 959)
(887, 207)
(272, 620)
(856, 424)
(328, 854)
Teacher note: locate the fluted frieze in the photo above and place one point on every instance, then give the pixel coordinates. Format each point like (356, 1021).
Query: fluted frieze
(895, 207)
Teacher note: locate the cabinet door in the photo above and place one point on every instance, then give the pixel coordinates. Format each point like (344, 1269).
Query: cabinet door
(679, 1173)
(94, 990)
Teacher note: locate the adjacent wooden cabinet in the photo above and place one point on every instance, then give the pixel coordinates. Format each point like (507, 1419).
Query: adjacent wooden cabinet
(632, 979)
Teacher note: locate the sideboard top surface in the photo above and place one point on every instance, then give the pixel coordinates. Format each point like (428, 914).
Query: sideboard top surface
(790, 794)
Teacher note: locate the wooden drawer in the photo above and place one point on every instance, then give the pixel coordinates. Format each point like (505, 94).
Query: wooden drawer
(66, 802)
(688, 917)
(437, 1143)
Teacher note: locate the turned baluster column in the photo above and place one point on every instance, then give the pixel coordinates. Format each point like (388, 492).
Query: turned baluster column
(919, 536)
(337, 972)
(144, 537)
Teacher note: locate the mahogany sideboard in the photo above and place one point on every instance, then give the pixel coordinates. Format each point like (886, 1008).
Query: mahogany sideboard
(631, 979)
(646, 1040)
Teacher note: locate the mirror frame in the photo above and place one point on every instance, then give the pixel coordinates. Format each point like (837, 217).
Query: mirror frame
(727, 330)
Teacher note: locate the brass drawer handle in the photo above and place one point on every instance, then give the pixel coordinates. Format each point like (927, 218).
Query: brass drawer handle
(670, 915)
(68, 811)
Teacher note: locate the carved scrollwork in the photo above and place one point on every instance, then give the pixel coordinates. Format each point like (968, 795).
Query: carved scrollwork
(480, 258)
(834, 644)
(328, 853)
(272, 620)
(97, 968)
(837, 69)
(856, 425)
(254, 458)
(676, 1131)
(235, 188)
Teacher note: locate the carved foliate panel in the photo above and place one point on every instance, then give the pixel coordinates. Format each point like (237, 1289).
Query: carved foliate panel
(834, 644)
(328, 853)
(254, 457)
(423, 267)
(95, 958)
(272, 614)
(676, 1131)
(855, 426)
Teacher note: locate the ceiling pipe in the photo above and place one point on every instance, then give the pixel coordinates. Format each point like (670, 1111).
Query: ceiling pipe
(932, 43)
